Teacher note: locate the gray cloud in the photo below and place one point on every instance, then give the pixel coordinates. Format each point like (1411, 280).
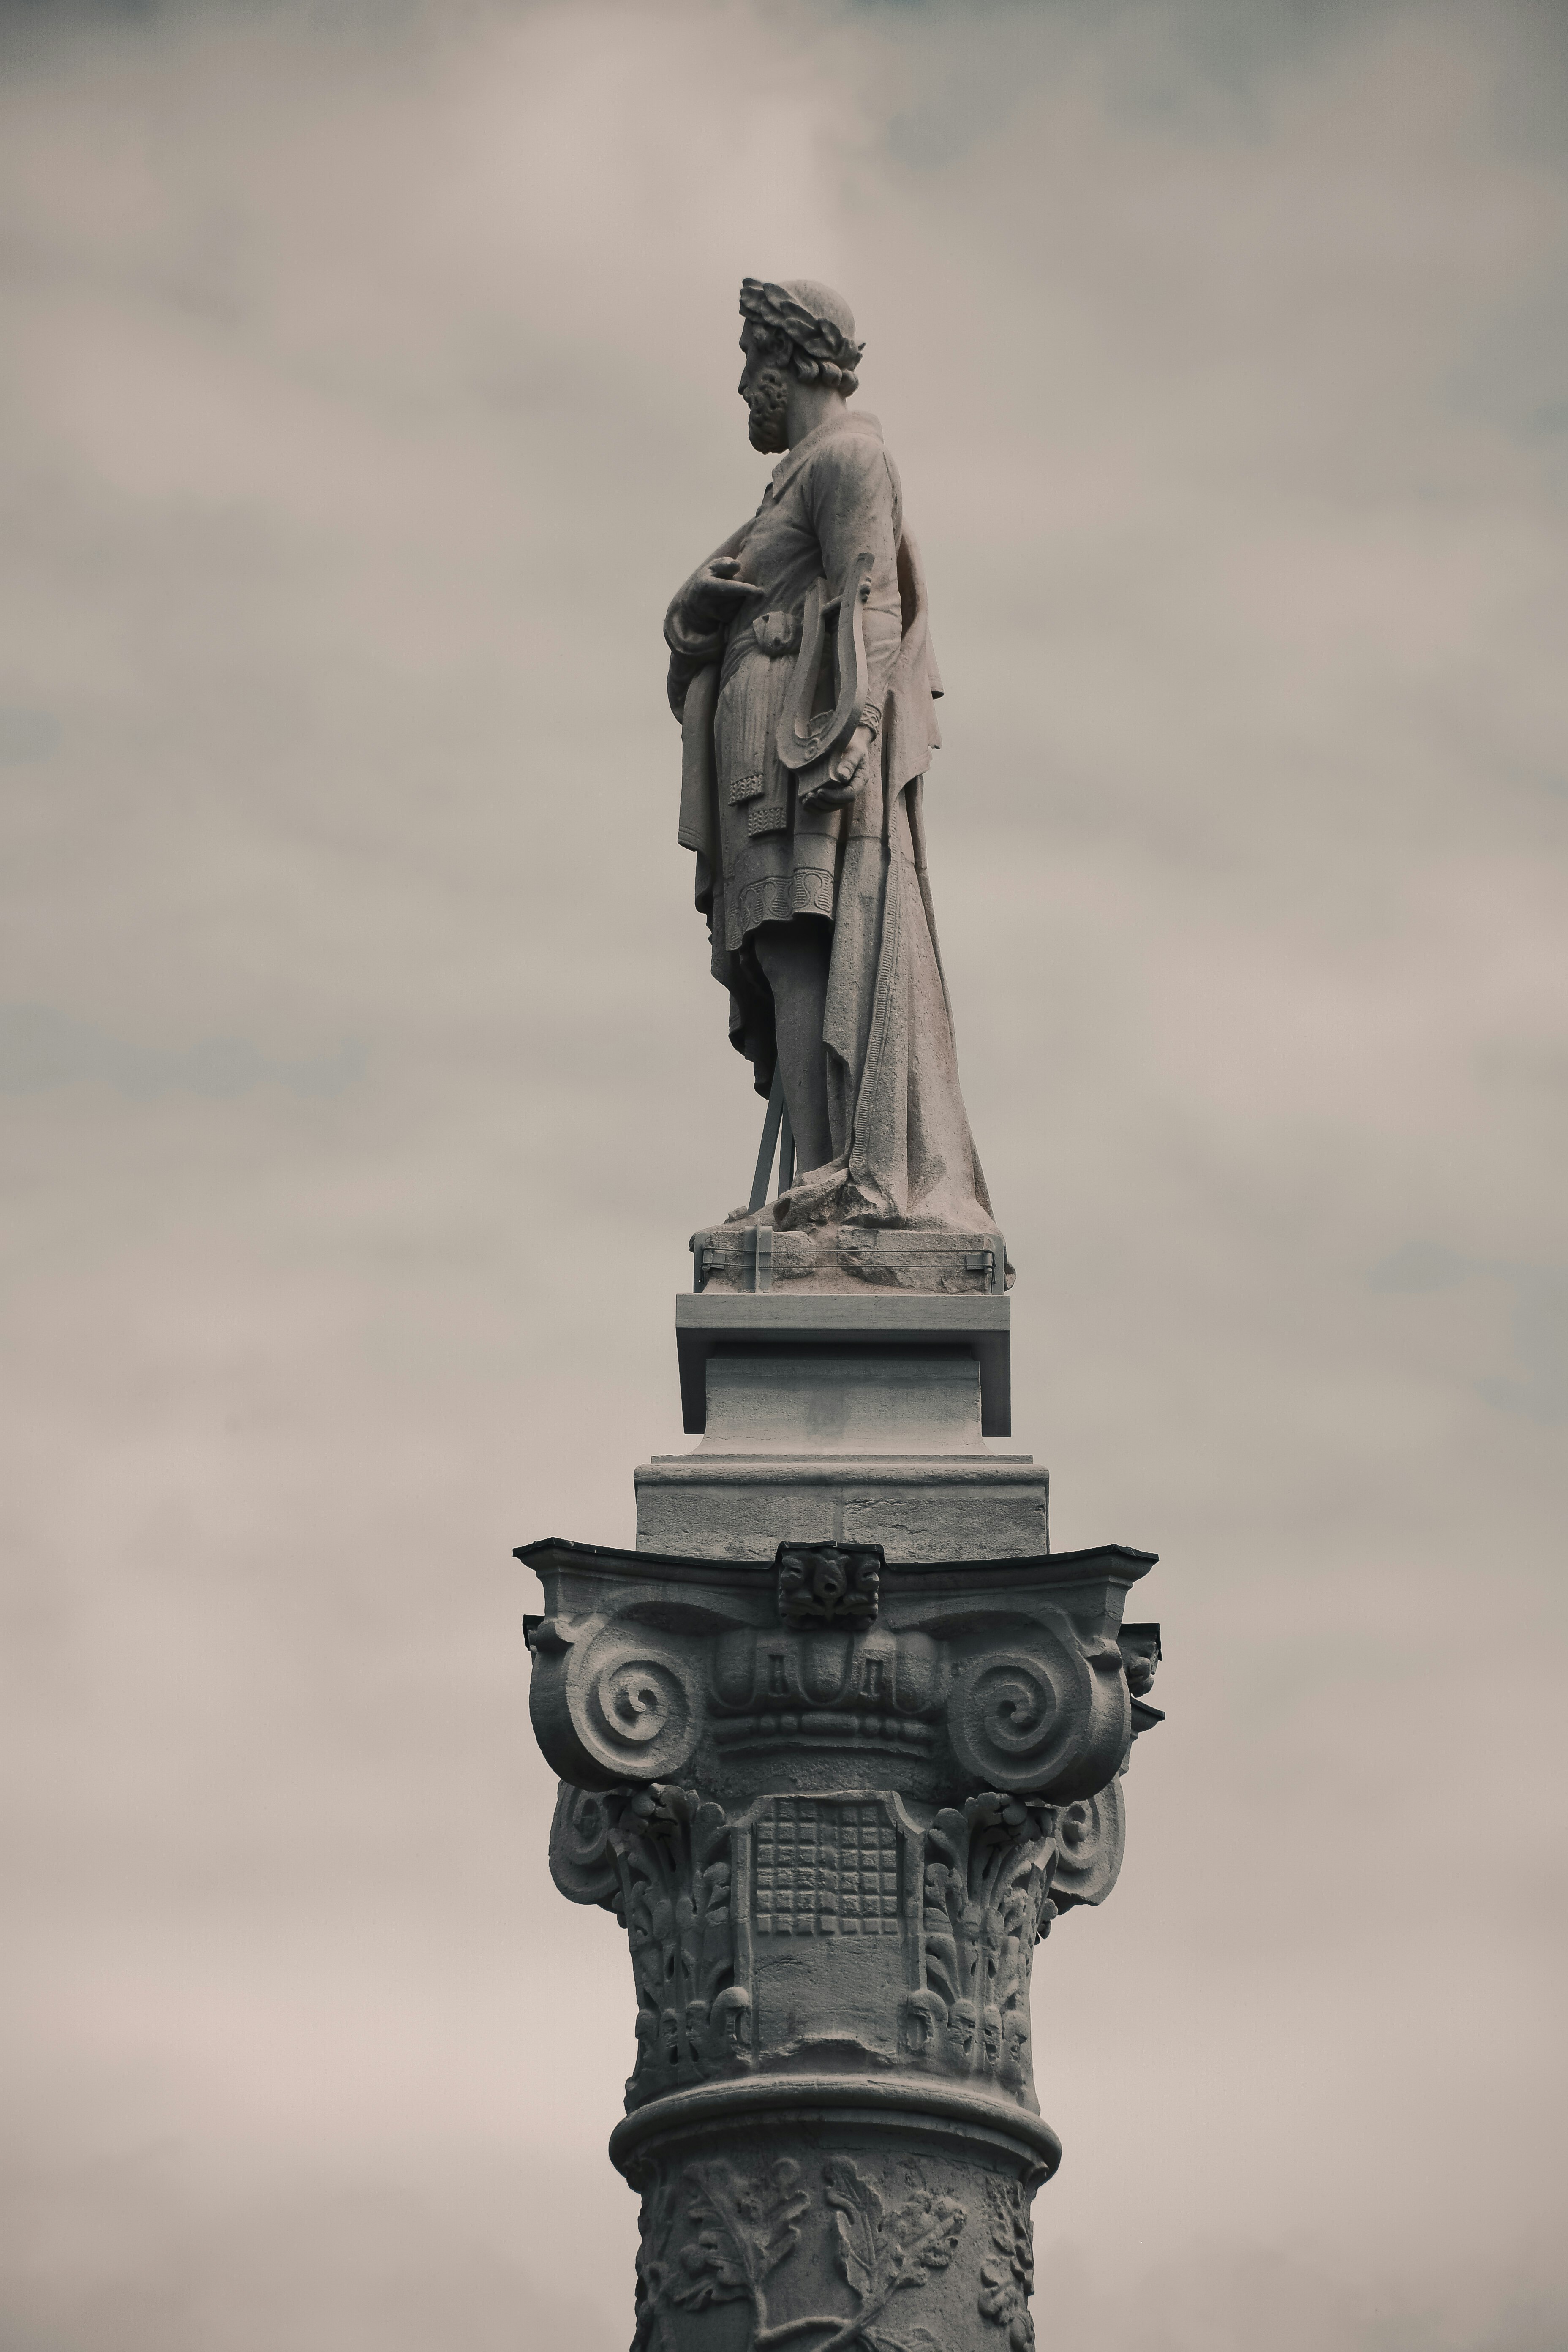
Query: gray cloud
(1540, 1321)
(41, 1048)
(26, 735)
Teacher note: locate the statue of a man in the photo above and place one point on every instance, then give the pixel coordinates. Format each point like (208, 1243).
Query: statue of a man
(812, 871)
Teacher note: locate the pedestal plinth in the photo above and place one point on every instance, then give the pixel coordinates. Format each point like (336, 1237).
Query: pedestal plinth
(861, 1416)
(836, 1787)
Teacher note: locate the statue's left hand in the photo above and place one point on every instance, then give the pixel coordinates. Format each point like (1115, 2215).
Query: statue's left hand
(848, 776)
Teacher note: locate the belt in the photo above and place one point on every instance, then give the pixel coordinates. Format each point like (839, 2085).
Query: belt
(773, 635)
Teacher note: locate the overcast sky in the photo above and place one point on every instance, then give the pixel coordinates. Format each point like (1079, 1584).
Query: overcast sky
(369, 385)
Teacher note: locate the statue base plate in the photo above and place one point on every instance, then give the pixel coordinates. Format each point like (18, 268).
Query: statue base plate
(834, 1258)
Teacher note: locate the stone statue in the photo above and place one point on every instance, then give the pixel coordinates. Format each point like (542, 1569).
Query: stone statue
(802, 670)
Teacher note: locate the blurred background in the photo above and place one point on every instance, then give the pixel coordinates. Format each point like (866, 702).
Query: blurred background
(369, 388)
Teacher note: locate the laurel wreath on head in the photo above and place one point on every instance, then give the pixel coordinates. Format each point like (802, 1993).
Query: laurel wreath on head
(819, 347)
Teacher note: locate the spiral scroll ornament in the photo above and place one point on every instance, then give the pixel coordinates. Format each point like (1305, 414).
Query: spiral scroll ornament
(1017, 1719)
(582, 1863)
(1090, 1836)
(637, 1714)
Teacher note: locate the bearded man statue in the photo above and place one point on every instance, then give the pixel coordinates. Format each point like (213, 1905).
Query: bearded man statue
(811, 870)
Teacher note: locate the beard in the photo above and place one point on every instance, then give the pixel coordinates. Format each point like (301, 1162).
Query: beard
(767, 398)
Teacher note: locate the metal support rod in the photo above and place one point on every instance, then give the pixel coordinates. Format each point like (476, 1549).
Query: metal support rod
(775, 1113)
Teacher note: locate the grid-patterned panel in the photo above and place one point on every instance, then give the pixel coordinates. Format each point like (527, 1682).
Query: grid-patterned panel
(826, 1869)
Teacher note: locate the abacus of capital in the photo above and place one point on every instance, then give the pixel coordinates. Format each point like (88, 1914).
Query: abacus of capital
(843, 1738)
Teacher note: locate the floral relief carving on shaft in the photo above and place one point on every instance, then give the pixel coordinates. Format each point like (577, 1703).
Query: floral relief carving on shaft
(1007, 2273)
(711, 2237)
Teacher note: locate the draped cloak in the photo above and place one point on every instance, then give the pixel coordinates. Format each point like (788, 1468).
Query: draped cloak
(903, 1154)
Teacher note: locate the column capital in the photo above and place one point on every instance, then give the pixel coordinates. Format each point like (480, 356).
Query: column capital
(942, 1682)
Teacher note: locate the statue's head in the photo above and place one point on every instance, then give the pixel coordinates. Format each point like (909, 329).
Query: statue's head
(800, 330)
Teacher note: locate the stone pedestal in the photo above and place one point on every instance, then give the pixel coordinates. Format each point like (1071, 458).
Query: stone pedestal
(861, 1416)
(837, 1743)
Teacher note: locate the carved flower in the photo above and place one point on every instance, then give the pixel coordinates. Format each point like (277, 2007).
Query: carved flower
(925, 2233)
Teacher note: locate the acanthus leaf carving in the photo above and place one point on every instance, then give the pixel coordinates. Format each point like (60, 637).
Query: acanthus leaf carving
(994, 1875)
(986, 1902)
(676, 1900)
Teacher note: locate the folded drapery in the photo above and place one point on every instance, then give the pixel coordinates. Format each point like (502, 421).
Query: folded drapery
(903, 1151)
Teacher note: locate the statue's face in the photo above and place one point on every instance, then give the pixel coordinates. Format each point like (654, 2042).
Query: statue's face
(765, 391)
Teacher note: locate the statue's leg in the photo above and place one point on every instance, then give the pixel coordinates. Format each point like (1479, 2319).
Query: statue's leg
(795, 958)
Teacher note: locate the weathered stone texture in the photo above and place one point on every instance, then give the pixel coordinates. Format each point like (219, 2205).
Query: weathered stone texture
(835, 1802)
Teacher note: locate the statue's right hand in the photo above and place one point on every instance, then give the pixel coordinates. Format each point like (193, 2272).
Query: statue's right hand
(715, 595)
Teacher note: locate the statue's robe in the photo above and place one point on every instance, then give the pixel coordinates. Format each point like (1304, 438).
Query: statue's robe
(903, 1154)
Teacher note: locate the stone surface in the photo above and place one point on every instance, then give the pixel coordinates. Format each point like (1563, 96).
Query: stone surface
(859, 1417)
(1000, 1674)
(808, 836)
(843, 1401)
(890, 1320)
(846, 1257)
(778, 2213)
(941, 1508)
(835, 1803)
